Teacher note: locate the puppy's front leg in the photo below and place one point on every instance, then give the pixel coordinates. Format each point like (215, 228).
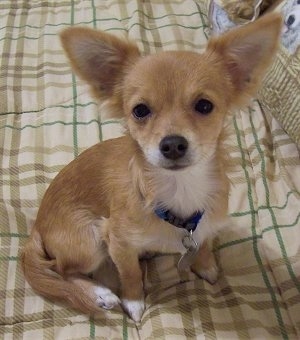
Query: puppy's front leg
(127, 263)
(205, 264)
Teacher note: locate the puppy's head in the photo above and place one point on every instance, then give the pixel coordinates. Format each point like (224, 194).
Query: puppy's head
(174, 103)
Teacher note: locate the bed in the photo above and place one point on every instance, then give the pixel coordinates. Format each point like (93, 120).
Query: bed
(48, 117)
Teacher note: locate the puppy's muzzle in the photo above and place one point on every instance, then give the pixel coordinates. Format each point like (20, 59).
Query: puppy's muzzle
(173, 147)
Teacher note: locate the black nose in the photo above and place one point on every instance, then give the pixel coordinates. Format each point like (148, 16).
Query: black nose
(173, 147)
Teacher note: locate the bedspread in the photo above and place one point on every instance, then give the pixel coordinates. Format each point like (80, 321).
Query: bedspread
(48, 117)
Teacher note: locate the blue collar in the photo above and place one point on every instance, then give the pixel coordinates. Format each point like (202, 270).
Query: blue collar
(189, 224)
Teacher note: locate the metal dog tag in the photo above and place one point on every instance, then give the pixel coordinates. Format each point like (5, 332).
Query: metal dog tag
(191, 247)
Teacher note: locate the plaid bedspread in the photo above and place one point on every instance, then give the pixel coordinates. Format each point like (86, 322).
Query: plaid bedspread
(47, 117)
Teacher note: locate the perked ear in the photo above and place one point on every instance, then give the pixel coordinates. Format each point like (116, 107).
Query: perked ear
(247, 51)
(98, 57)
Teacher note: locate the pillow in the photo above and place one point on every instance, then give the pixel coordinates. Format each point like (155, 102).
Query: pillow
(280, 93)
(238, 12)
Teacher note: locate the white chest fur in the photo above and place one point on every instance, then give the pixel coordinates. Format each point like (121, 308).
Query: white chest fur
(186, 191)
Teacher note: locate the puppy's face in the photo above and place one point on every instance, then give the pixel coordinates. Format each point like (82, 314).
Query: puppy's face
(174, 104)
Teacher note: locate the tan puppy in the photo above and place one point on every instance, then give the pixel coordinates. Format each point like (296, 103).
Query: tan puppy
(120, 199)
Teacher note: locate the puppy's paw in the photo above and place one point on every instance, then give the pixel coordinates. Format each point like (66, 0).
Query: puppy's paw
(206, 267)
(209, 274)
(205, 264)
(106, 298)
(134, 308)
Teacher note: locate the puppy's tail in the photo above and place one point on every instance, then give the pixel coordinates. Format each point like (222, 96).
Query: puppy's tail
(77, 292)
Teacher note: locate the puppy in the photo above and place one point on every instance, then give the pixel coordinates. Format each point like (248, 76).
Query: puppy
(161, 187)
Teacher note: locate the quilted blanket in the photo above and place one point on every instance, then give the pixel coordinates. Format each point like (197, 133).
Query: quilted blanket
(48, 117)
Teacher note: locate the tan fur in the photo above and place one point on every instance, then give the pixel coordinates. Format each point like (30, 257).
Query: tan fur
(100, 207)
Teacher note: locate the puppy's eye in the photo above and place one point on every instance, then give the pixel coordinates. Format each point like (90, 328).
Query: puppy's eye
(204, 106)
(141, 111)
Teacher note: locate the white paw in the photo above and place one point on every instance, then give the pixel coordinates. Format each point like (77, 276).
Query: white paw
(134, 308)
(210, 274)
(106, 298)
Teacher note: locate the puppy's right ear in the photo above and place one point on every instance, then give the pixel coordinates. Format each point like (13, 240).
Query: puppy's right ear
(98, 57)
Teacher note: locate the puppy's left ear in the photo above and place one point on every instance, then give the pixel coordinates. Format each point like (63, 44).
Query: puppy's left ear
(246, 52)
(99, 58)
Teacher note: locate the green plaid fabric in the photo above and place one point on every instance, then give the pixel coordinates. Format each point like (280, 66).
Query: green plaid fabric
(47, 117)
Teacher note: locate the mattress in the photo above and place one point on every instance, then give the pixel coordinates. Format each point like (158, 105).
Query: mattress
(48, 117)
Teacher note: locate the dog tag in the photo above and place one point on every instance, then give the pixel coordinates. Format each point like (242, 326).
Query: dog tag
(191, 247)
